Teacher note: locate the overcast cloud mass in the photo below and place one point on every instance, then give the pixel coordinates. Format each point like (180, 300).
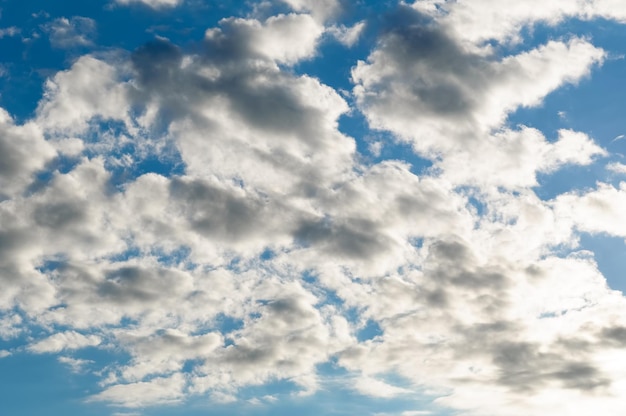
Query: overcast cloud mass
(392, 209)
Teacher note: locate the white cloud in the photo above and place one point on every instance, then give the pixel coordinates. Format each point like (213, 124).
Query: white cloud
(155, 4)
(616, 167)
(88, 89)
(283, 38)
(9, 31)
(251, 263)
(10, 326)
(320, 9)
(597, 211)
(68, 33)
(23, 152)
(75, 364)
(158, 391)
(517, 156)
(457, 97)
(477, 21)
(348, 36)
(63, 341)
(376, 388)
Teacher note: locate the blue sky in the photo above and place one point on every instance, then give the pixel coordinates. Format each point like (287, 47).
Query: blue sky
(312, 207)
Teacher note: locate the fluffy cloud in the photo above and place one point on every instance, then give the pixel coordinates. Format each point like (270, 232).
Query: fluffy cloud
(421, 84)
(477, 21)
(65, 341)
(9, 31)
(158, 391)
(283, 38)
(597, 211)
(68, 33)
(320, 9)
(23, 152)
(91, 88)
(517, 156)
(348, 36)
(273, 245)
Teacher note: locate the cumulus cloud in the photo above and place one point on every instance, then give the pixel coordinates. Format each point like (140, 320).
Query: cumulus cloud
(423, 85)
(274, 244)
(283, 38)
(90, 88)
(23, 152)
(477, 21)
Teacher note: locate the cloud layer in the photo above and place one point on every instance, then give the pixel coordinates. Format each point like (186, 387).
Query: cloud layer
(265, 242)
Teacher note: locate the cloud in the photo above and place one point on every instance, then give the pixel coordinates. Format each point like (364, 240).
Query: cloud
(155, 4)
(616, 167)
(23, 151)
(518, 156)
(63, 341)
(480, 20)
(377, 388)
(283, 38)
(320, 9)
(158, 391)
(88, 89)
(596, 211)
(456, 96)
(9, 31)
(348, 36)
(76, 365)
(74, 32)
(10, 327)
(265, 250)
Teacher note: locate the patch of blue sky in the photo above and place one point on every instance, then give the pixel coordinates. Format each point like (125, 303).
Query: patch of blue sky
(610, 255)
(40, 384)
(369, 331)
(49, 265)
(131, 252)
(176, 257)
(375, 146)
(592, 107)
(226, 324)
(58, 388)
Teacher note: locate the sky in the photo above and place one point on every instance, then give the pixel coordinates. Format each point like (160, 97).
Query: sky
(312, 207)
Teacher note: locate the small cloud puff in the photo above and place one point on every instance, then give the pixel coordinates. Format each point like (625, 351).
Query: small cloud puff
(69, 33)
